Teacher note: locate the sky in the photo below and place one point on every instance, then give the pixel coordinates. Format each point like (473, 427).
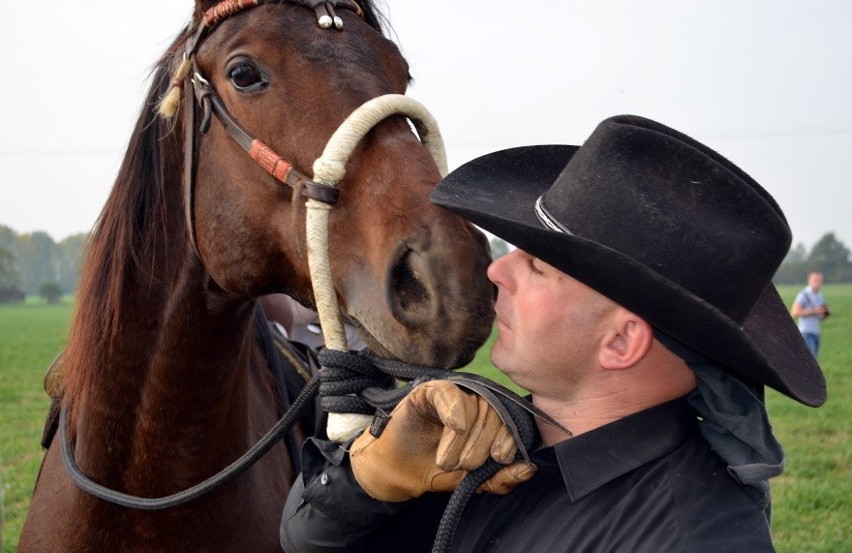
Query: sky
(768, 84)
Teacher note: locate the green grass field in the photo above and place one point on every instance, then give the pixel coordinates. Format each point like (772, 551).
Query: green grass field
(812, 507)
(30, 337)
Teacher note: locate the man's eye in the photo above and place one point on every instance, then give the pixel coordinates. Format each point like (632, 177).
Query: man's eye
(533, 267)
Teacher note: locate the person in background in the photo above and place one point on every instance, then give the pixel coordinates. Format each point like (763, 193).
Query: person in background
(810, 309)
(618, 314)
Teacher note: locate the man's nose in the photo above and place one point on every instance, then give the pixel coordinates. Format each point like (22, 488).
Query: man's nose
(499, 271)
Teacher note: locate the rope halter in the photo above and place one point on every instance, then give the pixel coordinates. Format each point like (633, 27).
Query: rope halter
(329, 169)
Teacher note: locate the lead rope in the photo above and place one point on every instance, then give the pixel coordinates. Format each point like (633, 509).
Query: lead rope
(329, 170)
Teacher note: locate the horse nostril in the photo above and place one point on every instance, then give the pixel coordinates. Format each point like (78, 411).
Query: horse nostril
(408, 292)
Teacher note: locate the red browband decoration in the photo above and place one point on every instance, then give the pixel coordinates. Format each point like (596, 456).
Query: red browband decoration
(226, 9)
(269, 160)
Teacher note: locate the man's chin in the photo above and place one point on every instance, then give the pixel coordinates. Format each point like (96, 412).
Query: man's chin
(501, 356)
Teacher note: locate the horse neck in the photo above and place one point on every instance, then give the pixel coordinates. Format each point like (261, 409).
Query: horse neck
(157, 354)
(174, 380)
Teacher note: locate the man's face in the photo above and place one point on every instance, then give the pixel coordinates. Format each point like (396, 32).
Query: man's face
(549, 324)
(815, 281)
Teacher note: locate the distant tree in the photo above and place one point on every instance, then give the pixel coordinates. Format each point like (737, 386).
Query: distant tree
(69, 256)
(797, 254)
(8, 237)
(12, 295)
(794, 267)
(9, 273)
(37, 260)
(828, 255)
(10, 278)
(831, 257)
(50, 291)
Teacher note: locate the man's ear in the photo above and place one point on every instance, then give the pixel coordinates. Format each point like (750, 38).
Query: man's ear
(627, 341)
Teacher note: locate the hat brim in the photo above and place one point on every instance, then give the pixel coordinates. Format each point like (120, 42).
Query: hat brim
(498, 191)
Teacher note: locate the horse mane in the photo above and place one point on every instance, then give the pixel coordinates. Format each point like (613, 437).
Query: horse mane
(135, 233)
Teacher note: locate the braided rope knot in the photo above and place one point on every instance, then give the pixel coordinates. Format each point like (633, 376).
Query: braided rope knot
(344, 377)
(329, 171)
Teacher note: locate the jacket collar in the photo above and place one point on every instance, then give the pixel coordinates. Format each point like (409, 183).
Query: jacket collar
(597, 457)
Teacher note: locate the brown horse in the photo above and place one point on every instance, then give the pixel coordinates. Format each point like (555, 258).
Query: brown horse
(162, 379)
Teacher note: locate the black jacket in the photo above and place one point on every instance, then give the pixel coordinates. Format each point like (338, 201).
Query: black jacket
(645, 483)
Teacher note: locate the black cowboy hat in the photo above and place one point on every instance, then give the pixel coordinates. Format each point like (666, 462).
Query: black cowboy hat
(660, 224)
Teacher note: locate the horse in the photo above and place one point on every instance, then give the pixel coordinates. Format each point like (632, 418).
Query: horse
(163, 381)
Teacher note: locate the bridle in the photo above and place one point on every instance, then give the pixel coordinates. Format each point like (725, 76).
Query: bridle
(321, 192)
(208, 101)
(189, 75)
(265, 156)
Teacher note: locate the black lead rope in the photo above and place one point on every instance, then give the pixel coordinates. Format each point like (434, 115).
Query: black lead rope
(367, 377)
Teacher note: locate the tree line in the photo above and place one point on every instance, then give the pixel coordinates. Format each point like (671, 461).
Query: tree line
(828, 255)
(34, 264)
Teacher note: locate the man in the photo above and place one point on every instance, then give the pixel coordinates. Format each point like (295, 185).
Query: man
(809, 307)
(639, 313)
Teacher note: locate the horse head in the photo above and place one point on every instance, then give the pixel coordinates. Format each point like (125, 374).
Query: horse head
(409, 275)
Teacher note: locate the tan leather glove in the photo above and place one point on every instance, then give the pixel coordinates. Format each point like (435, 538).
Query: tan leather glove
(435, 435)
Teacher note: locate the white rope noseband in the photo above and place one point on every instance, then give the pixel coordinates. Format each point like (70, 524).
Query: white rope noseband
(329, 169)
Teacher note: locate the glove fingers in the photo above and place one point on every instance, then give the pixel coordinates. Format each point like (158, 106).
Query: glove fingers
(446, 481)
(458, 412)
(504, 448)
(508, 478)
(443, 402)
(472, 429)
(482, 436)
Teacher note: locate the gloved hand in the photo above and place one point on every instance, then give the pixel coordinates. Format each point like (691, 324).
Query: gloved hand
(435, 435)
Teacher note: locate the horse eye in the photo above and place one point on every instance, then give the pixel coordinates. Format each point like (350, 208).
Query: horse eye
(246, 76)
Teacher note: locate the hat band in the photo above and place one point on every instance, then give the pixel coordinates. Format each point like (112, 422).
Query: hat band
(547, 219)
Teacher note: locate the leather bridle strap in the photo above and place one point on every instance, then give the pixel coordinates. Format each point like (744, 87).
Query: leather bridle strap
(265, 156)
(210, 102)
